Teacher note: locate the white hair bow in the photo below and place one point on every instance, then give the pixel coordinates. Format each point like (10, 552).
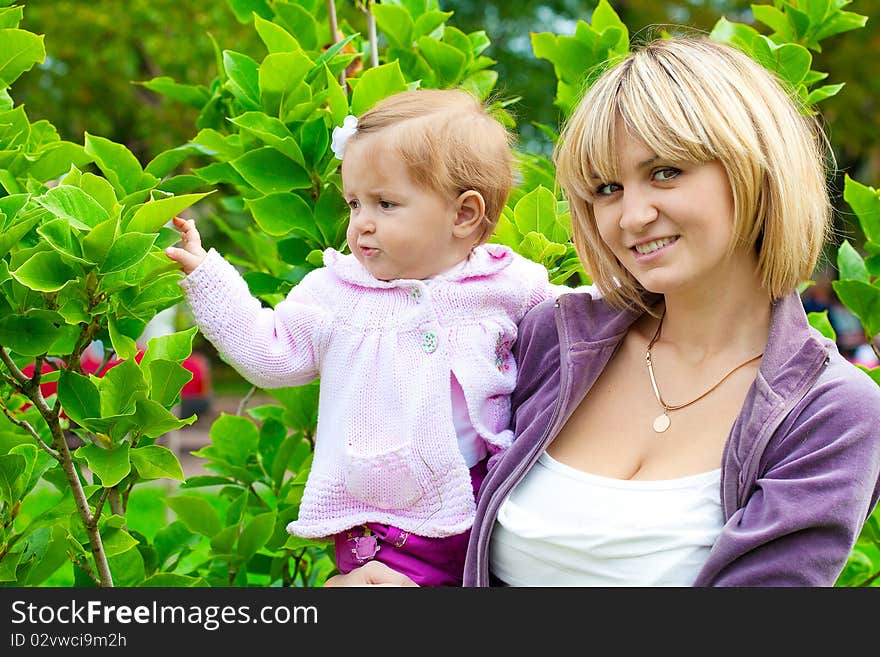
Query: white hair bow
(341, 135)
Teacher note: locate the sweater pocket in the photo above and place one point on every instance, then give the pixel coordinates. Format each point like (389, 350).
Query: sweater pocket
(385, 480)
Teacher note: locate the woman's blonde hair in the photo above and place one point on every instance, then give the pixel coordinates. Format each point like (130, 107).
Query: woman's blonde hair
(690, 99)
(449, 143)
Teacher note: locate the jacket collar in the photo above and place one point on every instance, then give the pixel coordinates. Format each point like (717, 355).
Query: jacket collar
(792, 355)
(483, 260)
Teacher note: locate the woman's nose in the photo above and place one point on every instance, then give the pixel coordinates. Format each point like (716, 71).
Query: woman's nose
(637, 211)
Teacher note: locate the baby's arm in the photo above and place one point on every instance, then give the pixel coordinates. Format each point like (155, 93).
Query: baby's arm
(270, 347)
(192, 254)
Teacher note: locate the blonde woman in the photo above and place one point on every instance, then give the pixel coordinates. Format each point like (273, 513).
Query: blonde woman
(687, 427)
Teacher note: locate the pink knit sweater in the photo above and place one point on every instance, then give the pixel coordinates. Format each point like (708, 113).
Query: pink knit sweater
(385, 448)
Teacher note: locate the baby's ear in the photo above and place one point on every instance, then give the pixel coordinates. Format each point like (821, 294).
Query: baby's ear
(470, 211)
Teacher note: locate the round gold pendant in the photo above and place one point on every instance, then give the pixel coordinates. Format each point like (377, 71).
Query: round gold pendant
(661, 423)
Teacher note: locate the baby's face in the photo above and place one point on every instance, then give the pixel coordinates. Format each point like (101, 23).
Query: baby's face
(396, 228)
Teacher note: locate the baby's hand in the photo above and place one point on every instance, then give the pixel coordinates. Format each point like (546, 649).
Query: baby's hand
(192, 253)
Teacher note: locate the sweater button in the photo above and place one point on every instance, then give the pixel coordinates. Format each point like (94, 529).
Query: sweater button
(416, 293)
(429, 342)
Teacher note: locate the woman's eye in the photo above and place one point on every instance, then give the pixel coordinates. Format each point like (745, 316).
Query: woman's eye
(606, 189)
(667, 173)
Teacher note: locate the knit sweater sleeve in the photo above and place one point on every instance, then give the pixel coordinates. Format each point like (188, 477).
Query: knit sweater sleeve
(271, 348)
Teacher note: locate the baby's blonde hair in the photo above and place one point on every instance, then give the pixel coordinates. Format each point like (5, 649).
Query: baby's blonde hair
(690, 99)
(449, 143)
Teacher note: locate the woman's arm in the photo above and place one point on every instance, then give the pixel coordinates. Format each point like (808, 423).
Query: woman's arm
(817, 484)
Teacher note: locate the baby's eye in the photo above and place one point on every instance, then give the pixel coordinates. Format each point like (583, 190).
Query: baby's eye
(666, 174)
(606, 189)
(386, 205)
(354, 204)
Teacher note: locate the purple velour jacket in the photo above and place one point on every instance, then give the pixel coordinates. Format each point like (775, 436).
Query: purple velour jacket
(800, 471)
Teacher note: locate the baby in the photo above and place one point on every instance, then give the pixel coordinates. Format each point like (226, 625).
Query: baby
(410, 333)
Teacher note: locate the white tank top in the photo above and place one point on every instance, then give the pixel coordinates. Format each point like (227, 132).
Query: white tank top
(561, 526)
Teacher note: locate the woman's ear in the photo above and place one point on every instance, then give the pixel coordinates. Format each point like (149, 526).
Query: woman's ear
(470, 211)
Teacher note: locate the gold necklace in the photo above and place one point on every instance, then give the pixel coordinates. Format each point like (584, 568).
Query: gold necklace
(662, 421)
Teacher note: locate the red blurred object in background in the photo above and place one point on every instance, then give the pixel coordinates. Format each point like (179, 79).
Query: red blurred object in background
(195, 395)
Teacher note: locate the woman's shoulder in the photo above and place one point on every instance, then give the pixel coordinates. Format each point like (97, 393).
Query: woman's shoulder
(842, 380)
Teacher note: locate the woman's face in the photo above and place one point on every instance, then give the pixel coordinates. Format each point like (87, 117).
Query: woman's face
(669, 223)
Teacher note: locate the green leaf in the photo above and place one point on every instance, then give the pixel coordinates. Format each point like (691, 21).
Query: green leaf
(480, 83)
(120, 388)
(244, 9)
(396, 24)
(196, 513)
(54, 159)
(19, 51)
(337, 99)
(272, 132)
(314, 141)
(75, 205)
(127, 251)
(790, 60)
(842, 21)
(10, 236)
(151, 216)
(223, 542)
(428, 22)
(865, 202)
(28, 336)
(44, 272)
(282, 213)
(79, 396)
(57, 234)
(124, 346)
(96, 245)
(331, 216)
(447, 62)
(375, 84)
(298, 21)
(275, 37)
(850, 264)
(49, 546)
(175, 347)
(242, 72)
(738, 34)
(193, 95)
(863, 300)
(111, 465)
(166, 379)
(536, 247)
(268, 171)
(255, 534)
(777, 21)
(156, 462)
(281, 80)
(168, 580)
(821, 323)
(153, 419)
(235, 438)
(823, 92)
(118, 164)
(117, 541)
(12, 466)
(536, 211)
